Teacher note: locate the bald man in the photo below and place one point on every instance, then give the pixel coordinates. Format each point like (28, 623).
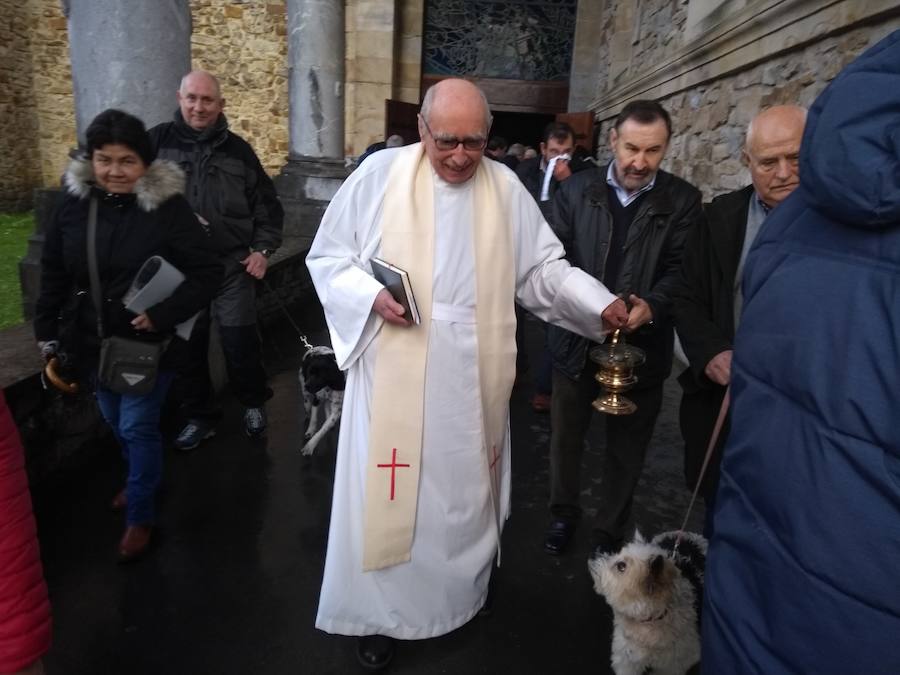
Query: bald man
(708, 303)
(422, 480)
(235, 199)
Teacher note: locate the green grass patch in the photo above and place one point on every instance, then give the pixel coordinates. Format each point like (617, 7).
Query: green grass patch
(15, 228)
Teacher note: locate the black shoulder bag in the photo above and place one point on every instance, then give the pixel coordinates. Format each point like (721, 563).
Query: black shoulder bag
(127, 366)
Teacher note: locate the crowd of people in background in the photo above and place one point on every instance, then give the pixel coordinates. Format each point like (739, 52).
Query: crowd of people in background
(772, 289)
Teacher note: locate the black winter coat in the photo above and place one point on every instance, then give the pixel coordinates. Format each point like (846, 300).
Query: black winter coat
(650, 267)
(226, 185)
(532, 177)
(154, 220)
(529, 172)
(704, 318)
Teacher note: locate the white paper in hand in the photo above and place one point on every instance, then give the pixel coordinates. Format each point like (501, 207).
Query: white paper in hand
(155, 281)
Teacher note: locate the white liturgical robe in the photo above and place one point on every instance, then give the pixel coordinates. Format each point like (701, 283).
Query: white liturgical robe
(456, 535)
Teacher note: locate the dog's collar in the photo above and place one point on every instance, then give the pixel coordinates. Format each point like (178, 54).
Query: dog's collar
(655, 618)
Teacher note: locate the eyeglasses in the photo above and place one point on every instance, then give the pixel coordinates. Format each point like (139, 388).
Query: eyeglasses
(448, 144)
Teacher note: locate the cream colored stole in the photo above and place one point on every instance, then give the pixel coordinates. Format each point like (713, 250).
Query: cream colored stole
(398, 398)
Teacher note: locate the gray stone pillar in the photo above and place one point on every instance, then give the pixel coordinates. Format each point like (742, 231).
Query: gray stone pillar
(127, 55)
(316, 66)
(315, 167)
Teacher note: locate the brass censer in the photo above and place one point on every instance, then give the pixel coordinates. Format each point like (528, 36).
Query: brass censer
(616, 361)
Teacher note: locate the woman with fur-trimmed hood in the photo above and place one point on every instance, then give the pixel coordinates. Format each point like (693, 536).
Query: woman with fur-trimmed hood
(140, 213)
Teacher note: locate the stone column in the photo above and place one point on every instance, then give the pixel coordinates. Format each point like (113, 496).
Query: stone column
(316, 66)
(127, 55)
(315, 167)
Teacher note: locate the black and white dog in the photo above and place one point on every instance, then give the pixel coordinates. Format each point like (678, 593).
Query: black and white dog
(322, 384)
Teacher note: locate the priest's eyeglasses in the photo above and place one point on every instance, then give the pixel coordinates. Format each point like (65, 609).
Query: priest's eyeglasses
(446, 144)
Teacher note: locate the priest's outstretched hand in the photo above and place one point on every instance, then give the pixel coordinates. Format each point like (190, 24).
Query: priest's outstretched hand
(389, 309)
(615, 315)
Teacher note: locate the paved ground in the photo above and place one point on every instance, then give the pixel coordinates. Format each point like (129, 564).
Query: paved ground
(232, 585)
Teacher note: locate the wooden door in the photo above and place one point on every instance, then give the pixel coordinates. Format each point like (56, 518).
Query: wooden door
(583, 124)
(401, 118)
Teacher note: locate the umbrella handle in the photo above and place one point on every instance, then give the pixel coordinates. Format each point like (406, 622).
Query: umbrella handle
(56, 380)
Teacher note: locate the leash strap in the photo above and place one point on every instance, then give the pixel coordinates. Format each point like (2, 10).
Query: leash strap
(280, 303)
(717, 429)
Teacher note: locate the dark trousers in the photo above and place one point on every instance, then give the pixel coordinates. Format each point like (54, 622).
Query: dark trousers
(243, 363)
(522, 365)
(543, 376)
(627, 438)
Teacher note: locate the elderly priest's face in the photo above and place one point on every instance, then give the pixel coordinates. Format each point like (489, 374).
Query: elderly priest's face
(455, 131)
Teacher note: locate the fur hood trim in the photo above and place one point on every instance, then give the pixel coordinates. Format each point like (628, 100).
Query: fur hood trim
(164, 179)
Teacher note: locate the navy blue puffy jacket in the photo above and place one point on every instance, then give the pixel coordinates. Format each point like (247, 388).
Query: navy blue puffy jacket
(802, 575)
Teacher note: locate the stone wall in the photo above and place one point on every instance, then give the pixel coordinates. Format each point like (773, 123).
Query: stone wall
(18, 163)
(37, 125)
(710, 117)
(384, 61)
(370, 71)
(242, 42)
(245, 45)
(52, 85)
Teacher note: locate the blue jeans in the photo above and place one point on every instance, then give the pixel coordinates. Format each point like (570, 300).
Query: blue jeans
(135, 423)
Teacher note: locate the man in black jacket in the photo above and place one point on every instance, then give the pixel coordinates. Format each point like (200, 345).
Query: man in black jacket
(626, 225)
(235, 198)
(558, 141)
(708, 301)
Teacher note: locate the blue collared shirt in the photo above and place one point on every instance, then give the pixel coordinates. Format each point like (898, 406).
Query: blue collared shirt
(624, 197)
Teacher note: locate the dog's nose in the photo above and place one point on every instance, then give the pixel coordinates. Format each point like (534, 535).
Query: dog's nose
(656, 566)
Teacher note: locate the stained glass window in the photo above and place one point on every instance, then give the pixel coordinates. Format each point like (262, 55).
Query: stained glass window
(510, 39)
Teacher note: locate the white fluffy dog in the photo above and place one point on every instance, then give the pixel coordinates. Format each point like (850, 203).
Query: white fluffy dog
(322, 385)
(656, 603)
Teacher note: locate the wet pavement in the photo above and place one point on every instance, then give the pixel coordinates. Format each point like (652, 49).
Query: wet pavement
(232, 583)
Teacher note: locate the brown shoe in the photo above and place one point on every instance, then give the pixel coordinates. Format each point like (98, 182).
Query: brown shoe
(134, 542)
(540, 403)
(120, 501)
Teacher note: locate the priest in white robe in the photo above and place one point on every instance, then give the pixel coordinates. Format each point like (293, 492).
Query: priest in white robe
(422, 480)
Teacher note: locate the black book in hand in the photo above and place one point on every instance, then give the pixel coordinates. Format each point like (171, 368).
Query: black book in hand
(396, 281)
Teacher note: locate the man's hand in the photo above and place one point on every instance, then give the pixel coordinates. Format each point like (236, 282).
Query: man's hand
(561, 170)
(719, 368)
(615, 315)
(48, 348)
(389, 309)
(142, 322)
(256, 264)
(639, 315)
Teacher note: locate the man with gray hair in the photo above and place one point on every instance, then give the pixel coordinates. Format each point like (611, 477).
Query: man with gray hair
(235, 199)
(422, 481)
(708, 302)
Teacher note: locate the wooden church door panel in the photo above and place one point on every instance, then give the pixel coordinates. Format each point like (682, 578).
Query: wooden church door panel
(583, 124)
(400, 118)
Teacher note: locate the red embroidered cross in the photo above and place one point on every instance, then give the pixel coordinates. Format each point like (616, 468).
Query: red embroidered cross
(393, 467)
(496, 456)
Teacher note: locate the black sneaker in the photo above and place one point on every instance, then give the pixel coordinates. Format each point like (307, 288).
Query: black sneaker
(255, 422)
(193, 434)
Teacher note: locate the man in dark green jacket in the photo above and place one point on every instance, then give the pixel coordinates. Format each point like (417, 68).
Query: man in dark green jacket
(625, 224)
(235, 198)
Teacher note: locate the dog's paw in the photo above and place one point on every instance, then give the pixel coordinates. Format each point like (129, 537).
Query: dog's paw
(306, 450)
